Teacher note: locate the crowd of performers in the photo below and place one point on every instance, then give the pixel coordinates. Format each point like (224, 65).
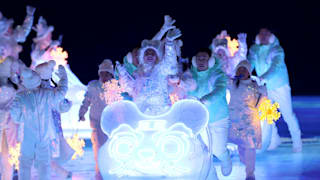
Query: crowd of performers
(153, 76)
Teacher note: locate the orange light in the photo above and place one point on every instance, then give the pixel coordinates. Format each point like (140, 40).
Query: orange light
(233, 45)
(173, 98)
(59, 56)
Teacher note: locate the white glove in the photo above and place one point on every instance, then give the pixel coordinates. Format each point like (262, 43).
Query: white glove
(55, 43)
(242, 37)
(30, 10)
(173, 34)
(120, 68)
(260, 81)
(61, 72)
(168, 23)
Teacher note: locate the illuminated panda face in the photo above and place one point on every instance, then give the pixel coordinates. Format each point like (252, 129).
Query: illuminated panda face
(152, 146)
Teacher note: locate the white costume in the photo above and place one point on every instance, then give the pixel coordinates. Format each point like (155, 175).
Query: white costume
(8, 129)
(76, 89)
(245, 129)
(32, 109)
(268, 61)
(149, 88)
(61, 150)
(229, 63)
(94, 99)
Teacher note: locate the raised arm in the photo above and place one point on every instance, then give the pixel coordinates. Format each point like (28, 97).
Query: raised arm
(21, 32)
(276, 64)
(168, 25)
(169, 64)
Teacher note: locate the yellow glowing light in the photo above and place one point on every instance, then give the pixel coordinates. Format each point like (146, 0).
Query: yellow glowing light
(14, 154)
(2, 60)
(173, 98)
(112, 91)
(269, 111)
(233, 45)
(77, 145)
(59, 56)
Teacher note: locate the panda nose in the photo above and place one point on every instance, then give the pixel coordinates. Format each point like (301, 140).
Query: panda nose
(146, 154)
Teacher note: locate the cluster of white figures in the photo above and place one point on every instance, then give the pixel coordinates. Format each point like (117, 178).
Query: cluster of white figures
(151, 117)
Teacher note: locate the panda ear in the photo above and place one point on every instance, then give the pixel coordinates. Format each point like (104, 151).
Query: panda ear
(122, 112)
(192, 114)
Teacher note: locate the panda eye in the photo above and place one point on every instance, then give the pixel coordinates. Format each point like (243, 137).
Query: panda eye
(122, 145)
(173, 145)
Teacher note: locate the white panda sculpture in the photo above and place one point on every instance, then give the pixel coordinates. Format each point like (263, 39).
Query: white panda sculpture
(168, 146)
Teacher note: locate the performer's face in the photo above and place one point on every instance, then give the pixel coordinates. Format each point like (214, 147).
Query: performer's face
(105, 76)
(202, 61)
(221, 54)
(242, 71)
(264, 36)
(150, 56)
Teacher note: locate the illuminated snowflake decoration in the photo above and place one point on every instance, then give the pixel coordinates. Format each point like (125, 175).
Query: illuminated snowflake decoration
(112, 91)
(77, 145)
(269, 111)
(233, 45)
(173, 98)
(59, 56)
(14, 154)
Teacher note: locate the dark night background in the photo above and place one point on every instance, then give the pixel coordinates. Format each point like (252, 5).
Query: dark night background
(95, 30)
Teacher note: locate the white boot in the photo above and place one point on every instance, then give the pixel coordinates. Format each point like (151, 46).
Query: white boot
(226, 163)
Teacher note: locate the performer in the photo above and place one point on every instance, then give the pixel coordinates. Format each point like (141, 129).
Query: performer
(8, 129)
(267, 58)
(61, 152)
(32, 110)
(211, 90)
(96, 103)
(221, 51)
(12, 36)
(245, 130)
(149, 85)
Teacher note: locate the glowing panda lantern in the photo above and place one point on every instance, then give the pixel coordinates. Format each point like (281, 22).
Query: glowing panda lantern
(155, 147)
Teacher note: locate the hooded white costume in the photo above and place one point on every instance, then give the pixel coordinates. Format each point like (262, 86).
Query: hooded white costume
(32, 109)
(61, 150)
(8, 129)
(245, 130)
(76, 89)
(94, 99)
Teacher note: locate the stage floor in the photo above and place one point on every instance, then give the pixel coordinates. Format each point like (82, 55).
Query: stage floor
(279, 164)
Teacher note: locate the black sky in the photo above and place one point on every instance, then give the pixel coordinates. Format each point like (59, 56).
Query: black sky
(95, 30)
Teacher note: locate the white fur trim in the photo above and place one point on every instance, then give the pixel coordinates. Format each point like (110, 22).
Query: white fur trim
(194, 64)
(226, 50)
(211, 62)
(129, 58)
(271, 39)
(244, 63)
(149, 44)
(106, 66)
